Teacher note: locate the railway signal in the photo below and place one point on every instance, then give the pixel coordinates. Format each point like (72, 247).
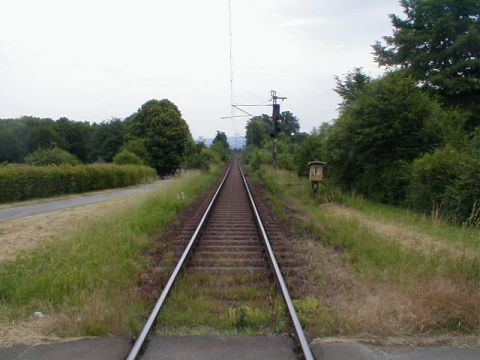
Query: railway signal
(275, 125)
(275, 118)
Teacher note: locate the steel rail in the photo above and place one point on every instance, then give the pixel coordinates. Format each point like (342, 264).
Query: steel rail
(300, 335)
(135, 350)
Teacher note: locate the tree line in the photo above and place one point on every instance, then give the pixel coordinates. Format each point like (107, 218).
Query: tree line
(410, 137)
(155, 135)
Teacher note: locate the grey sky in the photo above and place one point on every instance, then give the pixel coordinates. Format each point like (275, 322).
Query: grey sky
(92, 60)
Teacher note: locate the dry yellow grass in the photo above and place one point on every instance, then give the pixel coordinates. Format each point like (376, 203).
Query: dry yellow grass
(31, 331)
(356, 306)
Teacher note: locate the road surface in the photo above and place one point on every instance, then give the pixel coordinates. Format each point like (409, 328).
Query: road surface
(15, 212)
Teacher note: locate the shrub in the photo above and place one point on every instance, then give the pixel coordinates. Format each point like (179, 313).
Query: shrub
(52, 156)
(312, 148)
(126, 157)
(462, 197)
(137, 147)
(27, 182)
(448, 181)
(255, 158)
(207, 157)
(431, 175)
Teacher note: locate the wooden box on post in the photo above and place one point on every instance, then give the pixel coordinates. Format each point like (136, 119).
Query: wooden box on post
(316, 170)
(315, 173)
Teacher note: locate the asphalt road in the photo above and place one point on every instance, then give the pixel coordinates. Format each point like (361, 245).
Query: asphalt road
(15, 212)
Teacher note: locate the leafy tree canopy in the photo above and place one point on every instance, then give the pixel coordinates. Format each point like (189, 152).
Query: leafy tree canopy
(438, 43)
(289, 124)
(221, 139)
(258, 130)
(107, 139)
(165, 133)
(350, 86)
(220, 146)
(375, 135)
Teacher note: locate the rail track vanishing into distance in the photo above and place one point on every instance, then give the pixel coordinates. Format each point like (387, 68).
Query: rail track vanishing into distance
(230, 249)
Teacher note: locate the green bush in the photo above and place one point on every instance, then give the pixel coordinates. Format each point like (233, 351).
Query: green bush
(462, 197)
(207, 157)
(310, 149)
(26, 182)
(126, 157)
(447, 181)
(52, 156)
(285, 153)
(137, 147)
(431, 175)
(255, 158)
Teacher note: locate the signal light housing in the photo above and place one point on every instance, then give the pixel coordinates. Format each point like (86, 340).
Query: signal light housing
(275, 117)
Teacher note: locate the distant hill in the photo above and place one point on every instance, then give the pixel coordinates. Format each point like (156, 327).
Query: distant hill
(235, 142)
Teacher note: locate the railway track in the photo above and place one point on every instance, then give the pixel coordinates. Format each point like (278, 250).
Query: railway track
(229, 263)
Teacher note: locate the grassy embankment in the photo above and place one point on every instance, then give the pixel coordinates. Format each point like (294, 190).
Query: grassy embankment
(379, 271)
(87, 282)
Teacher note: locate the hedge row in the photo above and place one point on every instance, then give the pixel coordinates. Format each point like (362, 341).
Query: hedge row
(27, 182)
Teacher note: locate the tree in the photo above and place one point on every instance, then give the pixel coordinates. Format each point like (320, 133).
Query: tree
(75, 137)
(258, 130)
(165, 133)
(220, 146)
(387, 127)
(197, 155)
(10, 145)
(41, 134)
(221, 139)
(289, 124)
(107, 139)
(438, 43)
(350, 87)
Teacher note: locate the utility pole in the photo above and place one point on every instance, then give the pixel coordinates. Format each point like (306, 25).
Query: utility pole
(275, 126)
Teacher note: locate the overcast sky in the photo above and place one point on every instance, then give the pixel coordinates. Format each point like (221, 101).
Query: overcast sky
(93, 60)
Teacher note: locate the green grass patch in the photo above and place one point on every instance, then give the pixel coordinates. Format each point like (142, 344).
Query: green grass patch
(319, 319)
(368, 251)
(429, 224)
(92, 274)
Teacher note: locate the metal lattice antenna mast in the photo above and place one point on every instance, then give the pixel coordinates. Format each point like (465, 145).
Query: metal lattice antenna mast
(231, 58)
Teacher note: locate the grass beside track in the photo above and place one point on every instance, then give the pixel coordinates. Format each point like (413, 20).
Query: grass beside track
(432, 225)
(373, 283)
(88, 281)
